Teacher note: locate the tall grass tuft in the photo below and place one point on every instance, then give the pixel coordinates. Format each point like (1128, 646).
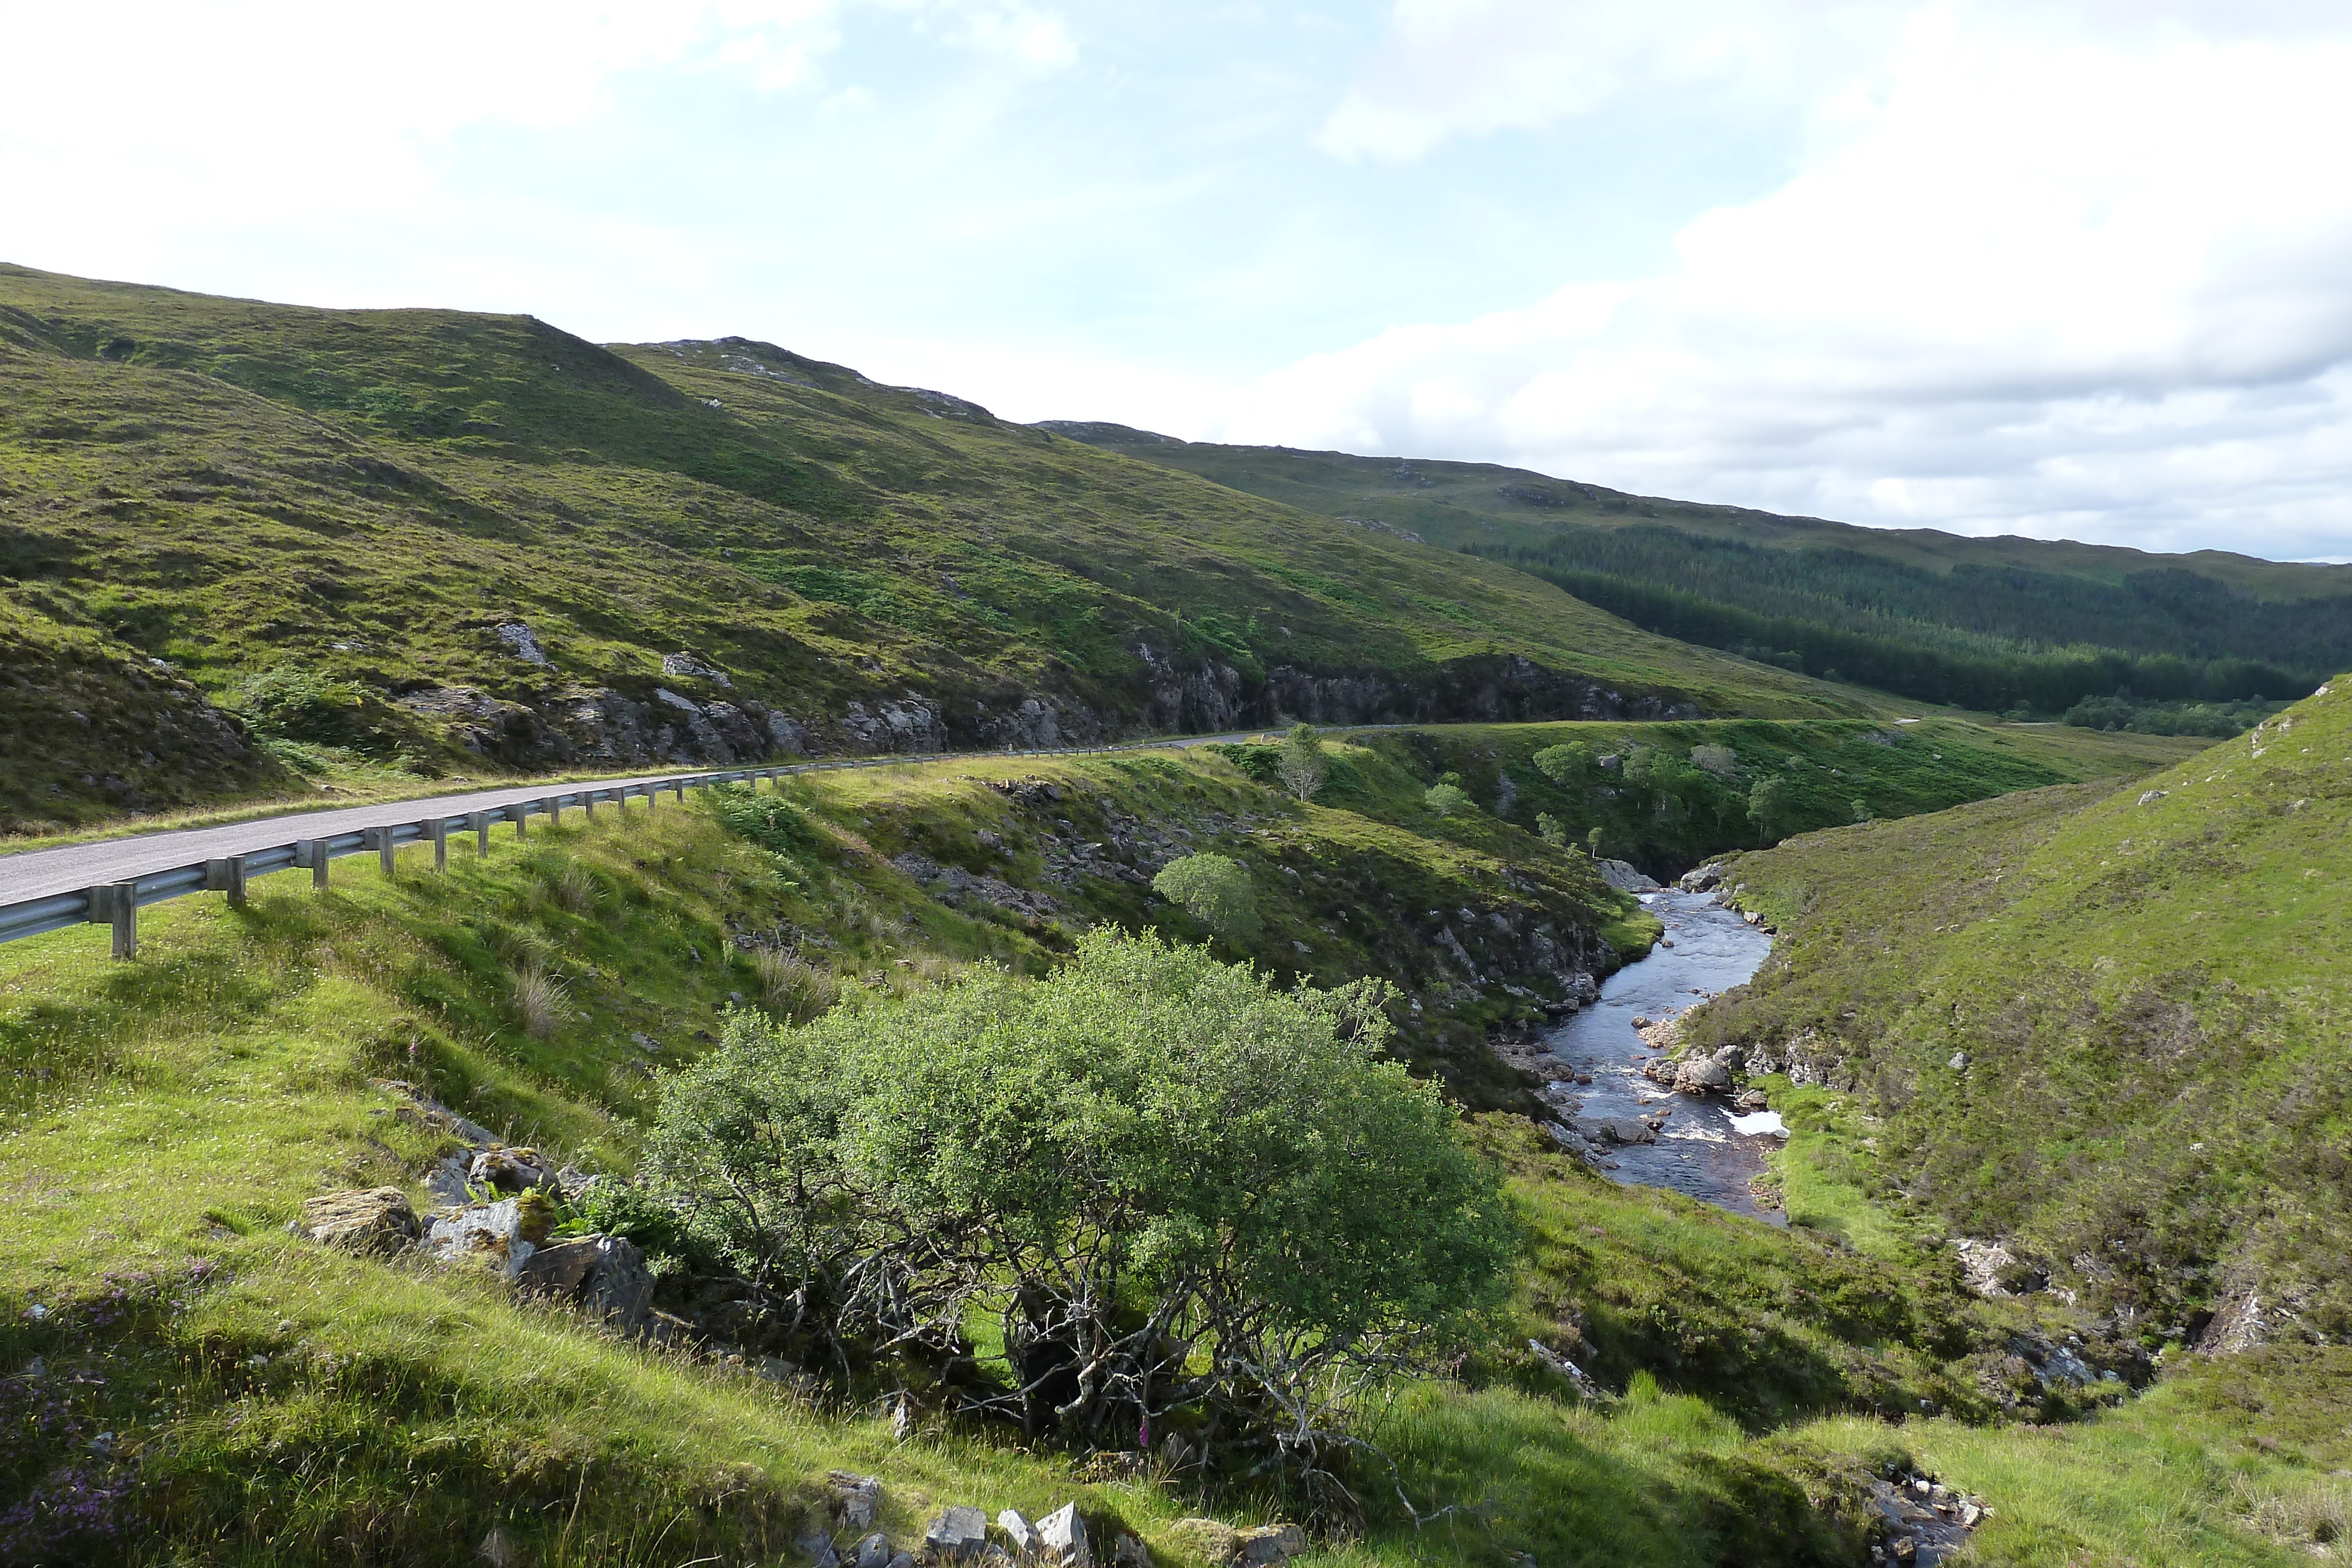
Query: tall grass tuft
(795, 990)
(540, 1001)
(578, 891)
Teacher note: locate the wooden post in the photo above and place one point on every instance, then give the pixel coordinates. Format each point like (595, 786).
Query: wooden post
(115, 903)
(437, 830)
(312, 852)
(480, 822)
(521, 809)
(380, 840)
(226, 877)
(588, 803)
(553, 807)
(680, 785)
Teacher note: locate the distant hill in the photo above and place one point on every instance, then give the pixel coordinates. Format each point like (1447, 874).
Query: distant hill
(1989, 623)
(237, 537)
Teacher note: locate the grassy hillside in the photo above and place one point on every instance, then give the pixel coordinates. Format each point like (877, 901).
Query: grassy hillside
(425, 541)
(2106, 1025)
(266, 1401)
(1991, 624)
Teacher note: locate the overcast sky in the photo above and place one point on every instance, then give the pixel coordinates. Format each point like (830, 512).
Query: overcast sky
(2078, 270)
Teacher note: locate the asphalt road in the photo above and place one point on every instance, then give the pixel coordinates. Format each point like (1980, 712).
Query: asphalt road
(69, 868)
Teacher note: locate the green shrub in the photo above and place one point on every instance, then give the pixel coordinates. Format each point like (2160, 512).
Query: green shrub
(1448, 799)
(1177, 1188)
(1553, 831)
(1565, 765)
(1214, 890)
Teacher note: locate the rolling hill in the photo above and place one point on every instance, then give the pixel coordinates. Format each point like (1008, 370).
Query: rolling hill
(1989, 623)
(437, 540)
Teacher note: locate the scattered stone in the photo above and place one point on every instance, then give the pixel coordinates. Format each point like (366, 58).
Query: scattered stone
(2151, 797)
(902, 1422)
(1212, 1540)
(1019, 1532)
(376, 1222)
(874, 1552)
(605, 1276)
(1271, 1544)
(1752, 1100)
(448, 1182)
(818, 1547)
(957, 1535)
(1130, 1552)
(1959, 1062)
(499, 1550)
(857, 1500)
(490, 1235)
(1061, 1539)
(510, 1170)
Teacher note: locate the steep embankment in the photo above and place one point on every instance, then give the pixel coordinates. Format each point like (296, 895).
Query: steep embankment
(430, 540)
(1989, 623)
(2107, 1026)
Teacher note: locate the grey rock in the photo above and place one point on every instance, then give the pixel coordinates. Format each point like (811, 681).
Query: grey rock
(604, 1276)
(1626, 1130)
(874, 1552)
(1061, 1539)
(1959, 1062)
(857, 1500)
(523, 643)
(375, 1221)
(500, 1549)
(817, 1546)
(1018, 1532)
(490, 1235)
(447, 1181)
(510, 1170)
(1269, 1544)
(1626, 877)
(1701, 1077)
(1130, 1552)
(957, 1535)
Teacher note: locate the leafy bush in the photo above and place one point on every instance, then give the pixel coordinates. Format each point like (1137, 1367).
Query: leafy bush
(1565, 765)
(1553, 831)
(1303, 766)
(1448, 799)
(1768, 806)
(294, 704)
(1719, 760)
(1190, 1199)
(1214, 890)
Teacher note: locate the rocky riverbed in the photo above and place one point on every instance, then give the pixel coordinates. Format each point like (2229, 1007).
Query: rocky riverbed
(1640, 1129)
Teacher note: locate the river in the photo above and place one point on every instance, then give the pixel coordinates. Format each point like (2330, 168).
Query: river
(1705, 1148)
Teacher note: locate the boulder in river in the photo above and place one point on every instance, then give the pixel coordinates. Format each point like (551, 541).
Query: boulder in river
(1626, 1130)
(1701, 1077)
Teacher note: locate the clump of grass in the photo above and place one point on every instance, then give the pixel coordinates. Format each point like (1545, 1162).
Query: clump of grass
(541, 1000)
(577, 890)
(795, 988)
(2314, 1514)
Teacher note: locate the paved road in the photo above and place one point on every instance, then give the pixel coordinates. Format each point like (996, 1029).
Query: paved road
(69, 868)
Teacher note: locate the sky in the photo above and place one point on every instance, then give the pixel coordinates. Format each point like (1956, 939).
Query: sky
(2066, 268)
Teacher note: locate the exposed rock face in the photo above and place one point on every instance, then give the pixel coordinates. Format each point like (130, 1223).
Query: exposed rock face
(1627, 877)
(376, 1222)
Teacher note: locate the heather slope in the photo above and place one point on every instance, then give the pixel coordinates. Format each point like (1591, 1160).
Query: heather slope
(432, 539)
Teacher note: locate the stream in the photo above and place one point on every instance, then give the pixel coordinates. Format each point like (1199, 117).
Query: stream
(1705, 1148)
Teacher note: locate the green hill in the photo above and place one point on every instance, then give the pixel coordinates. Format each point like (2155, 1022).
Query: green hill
(2103, 1027)
(433, 540)
(1989, 623)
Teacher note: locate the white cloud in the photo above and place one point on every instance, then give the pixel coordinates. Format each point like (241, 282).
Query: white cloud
(2034, 277)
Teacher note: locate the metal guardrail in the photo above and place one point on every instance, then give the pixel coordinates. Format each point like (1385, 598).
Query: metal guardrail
(118, 903)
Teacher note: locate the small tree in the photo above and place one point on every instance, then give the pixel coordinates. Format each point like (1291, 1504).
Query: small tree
(1719, 760)
(1448, 799)
(1768, 808)
(1302, 767)
(1176, 1187)
(1592, 843)
(1862, 811)
(1212, 890)
(1554, 830)
(1565, 763)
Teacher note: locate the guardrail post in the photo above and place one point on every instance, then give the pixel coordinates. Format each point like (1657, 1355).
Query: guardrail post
(553, 807)
(588, 803)
(680, 785)
(437, 830)
(312, 852)
(380, 841)
(115, 903)
(480, 821)
(226, 877)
